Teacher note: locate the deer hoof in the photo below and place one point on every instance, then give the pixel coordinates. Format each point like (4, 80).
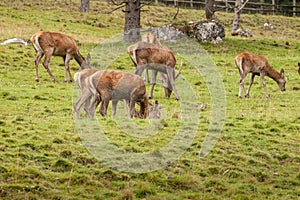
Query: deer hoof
(37, 80)
(247, 96)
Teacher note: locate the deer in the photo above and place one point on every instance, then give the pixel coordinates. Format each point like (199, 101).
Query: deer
(111, 85)
(148, 38)
(55, 44)
(158, 59)
(247, 62)
(52, 44)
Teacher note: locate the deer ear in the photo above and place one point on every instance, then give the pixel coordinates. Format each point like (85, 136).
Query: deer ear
(282, 72)
(88, 59)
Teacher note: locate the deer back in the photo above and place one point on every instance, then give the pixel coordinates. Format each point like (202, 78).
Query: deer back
(120, 85)
(150, 53)
(59, 44)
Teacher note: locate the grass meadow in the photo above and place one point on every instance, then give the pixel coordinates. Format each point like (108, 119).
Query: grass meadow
(42, 153)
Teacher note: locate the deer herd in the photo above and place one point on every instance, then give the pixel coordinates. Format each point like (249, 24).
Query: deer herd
(102, 86)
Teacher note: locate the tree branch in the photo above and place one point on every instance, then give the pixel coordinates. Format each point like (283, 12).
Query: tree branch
(118, 4)
(119, 7)
(241, 8)
(176, 12)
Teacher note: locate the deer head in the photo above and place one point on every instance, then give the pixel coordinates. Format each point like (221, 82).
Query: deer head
(154, 110)
(166, 84)
(87, 63)
(281, 82)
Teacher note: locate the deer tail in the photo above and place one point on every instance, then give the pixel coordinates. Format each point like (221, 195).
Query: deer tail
(77, 78)
(239, 64)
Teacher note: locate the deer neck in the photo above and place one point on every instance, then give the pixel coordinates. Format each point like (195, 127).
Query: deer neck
(79, 58)
(272, 73)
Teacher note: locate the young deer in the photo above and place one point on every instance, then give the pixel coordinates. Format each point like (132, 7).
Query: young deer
(55, 44)
(257, 65)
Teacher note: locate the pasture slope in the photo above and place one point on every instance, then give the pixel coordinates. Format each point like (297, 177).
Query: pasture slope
(41, 154)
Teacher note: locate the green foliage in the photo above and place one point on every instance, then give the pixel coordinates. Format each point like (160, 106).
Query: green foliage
(41, 153)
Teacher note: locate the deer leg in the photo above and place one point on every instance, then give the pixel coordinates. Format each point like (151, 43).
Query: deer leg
(68, 73)
(85, 95)
(46, 64)
(241, 85)
(250, 84)
(104, 106)
(139, 70)
(147, 76)
(114, 107)
(262, 76)
(126, 104)
(132, 107)
(171, 78)
(90, 108)
(39, 55)
(154, 75)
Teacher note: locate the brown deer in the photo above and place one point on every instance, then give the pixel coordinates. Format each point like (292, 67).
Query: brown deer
(148, 38)
(106, 85)
(111, 85)
(55, 44)
(257, 65)
(158, 59)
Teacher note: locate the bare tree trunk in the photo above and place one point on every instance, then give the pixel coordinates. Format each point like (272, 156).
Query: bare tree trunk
(132, 20)
(209, 9)
(294, 8)
(273, 6)
(237, 17)
(85, 6)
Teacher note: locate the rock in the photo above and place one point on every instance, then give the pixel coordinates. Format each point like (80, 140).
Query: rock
(243, 33)
(204, 31)
(269, 26)
(210, 31)
(167, 33)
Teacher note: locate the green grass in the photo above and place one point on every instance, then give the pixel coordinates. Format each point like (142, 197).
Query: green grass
(42, 155)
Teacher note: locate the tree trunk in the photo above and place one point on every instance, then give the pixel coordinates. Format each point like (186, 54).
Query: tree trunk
(132, 20)
(237, 17)
(209, 9)
(294, 8)
(85, 6)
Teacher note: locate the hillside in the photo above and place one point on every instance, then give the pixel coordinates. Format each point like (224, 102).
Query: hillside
(43, 154)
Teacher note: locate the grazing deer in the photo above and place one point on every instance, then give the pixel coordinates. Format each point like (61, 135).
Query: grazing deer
(55, 44)
(106, 85)
(158, 59)
(257, 65)
(51, 44)
(148, 38)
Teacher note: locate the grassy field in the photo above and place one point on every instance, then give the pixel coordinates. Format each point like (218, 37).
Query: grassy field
(42, 153)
